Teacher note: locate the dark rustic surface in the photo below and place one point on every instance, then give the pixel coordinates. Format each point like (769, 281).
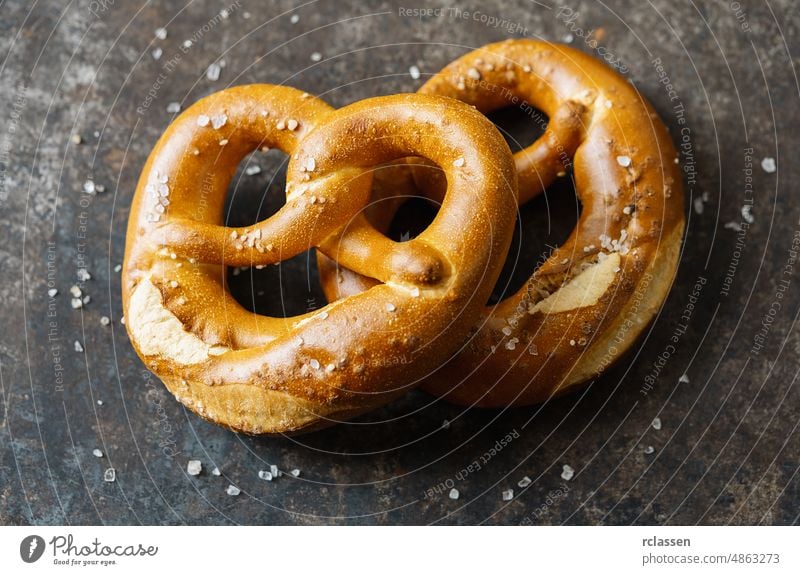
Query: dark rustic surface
(727, 451)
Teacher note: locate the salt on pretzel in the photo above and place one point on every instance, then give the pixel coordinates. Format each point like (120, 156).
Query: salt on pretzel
(589, 301)
(263, 375)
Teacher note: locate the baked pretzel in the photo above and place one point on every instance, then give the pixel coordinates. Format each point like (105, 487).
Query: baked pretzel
(588, 302)
(258, 374)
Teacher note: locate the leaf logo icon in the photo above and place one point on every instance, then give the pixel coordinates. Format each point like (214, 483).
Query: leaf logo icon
(31, 549)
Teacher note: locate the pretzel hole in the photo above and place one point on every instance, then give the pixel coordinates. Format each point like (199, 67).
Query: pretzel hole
(256, 192)
(412, 218)
(543, 223)
(257, 189)
(520, 125)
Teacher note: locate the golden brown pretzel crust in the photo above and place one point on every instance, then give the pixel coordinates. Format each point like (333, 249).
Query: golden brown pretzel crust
(586, 305)
(272, 375)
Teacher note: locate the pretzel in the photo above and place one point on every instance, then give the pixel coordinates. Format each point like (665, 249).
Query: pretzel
(264, 375)
(593, 296)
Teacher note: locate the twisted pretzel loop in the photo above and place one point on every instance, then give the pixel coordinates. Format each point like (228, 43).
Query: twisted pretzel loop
(272, 375)
(589, 301)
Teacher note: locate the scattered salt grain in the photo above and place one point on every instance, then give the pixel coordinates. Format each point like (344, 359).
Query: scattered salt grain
(508, 495)
(316, 57)
(233, 490)
(458, 162)
(216, 472)
(454, 494)
(683, 379)
(161, 33)
(78, 347)
(110, 475)
(414, 72)
(105, 320)
(203, 120)
(97, 453)
(524, 482)
(656, 423)
(567, 472)
(194, 467)
(156, 54)
(649, 450)
(173, 107)
(769, 165)
(747, 214)
(52, 292)
(213, 71)
(295, 473)
(624, 161)
(294, 19)
(252, 170)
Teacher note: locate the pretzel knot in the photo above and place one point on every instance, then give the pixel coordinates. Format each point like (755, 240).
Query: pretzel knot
(259, 374)
(587, 303)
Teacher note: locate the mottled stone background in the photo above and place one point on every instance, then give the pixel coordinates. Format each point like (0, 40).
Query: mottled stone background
(727, 450)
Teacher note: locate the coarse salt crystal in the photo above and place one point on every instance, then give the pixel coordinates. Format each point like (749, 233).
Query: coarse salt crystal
(769, 165)
(194, 467)
(213, 71)
(218, 121)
